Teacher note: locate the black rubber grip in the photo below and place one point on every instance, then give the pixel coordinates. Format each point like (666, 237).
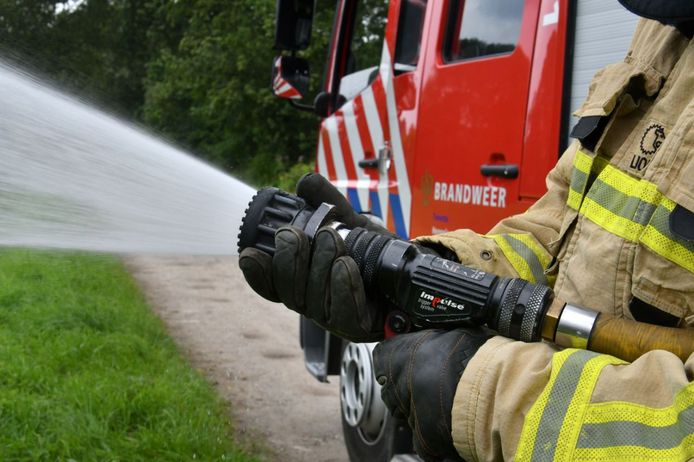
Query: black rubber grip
(352, 238)
(508, 305)
(359, 250)
(372, 255)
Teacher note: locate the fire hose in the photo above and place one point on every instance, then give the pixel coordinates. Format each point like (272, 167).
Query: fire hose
(432, 292)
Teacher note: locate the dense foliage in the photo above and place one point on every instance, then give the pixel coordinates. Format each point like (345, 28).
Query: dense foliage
(197, 71)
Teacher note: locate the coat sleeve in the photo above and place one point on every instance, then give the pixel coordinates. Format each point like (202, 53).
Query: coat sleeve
(522, 245)
(531, 402)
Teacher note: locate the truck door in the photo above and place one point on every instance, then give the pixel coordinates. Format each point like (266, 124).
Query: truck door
(472, 113)
(362, 147)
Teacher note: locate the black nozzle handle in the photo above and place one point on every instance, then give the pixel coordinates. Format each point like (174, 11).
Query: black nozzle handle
(271, 209)
(429, 290)
(520, 309)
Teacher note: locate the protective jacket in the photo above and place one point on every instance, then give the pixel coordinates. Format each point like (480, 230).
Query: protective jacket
(614, 233)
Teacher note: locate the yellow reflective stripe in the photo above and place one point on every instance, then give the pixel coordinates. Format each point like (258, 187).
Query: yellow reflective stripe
(519, 264)
(630, 186)
(542, 255)
(668, 204)
(684, 451)
(666, 247)
(583, 162)
(618, 430)
(680, 452)
(552, 426)
(574, 199)
(571, 427)
(531, 424)
(526, 255)
(615, 411)
(584, 166)
(606, 219)
(659, 239)
(630, 208)
(579, 179)
(539, 251)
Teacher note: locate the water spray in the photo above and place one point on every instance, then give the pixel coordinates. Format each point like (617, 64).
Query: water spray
(74, 177)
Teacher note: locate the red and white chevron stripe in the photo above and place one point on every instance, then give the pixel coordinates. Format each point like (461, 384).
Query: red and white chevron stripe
(358, 130)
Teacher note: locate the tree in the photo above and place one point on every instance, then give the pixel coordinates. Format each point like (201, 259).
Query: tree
(196, 70)
(96, 48)
(212, 91)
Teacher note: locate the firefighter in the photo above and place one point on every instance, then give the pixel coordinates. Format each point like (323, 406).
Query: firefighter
(614, 232)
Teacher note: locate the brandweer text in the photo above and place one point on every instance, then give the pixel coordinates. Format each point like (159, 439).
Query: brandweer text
(486, 196)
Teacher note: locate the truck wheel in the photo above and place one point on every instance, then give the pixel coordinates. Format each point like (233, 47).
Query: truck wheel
(370, 432)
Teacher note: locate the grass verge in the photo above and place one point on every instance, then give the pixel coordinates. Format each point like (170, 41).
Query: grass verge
(87, 372)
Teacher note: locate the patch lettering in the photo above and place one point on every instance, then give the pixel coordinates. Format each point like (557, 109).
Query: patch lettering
(652, 139)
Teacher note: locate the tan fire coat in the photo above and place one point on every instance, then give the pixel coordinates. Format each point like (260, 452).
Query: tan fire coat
(608, 235)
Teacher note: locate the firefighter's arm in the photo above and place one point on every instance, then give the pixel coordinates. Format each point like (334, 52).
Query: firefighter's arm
(522, 245)
(529, 401)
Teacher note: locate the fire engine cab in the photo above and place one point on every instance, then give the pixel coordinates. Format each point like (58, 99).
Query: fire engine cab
(437, 115)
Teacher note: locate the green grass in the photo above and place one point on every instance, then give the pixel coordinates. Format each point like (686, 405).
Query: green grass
(88, 373)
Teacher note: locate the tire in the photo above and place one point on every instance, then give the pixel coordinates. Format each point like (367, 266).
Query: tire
(361, 448)
(371, 434)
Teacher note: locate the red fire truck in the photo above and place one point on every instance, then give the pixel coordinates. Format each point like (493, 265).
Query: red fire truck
(455, 124)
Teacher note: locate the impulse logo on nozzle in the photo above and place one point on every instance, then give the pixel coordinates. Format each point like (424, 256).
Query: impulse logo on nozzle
(432, 302)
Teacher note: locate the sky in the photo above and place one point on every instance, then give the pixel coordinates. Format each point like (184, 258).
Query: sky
(70, 5)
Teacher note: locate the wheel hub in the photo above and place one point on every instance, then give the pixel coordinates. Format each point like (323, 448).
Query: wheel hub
(360, 393)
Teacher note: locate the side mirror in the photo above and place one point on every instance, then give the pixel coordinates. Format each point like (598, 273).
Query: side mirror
(294, 22)
(290, 77)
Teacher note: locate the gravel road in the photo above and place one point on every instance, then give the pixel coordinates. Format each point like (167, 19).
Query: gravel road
(249, 349)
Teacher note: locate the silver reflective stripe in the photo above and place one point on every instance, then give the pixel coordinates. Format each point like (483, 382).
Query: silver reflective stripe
(629, 207)
(558, 404)
(579, 180)
(624, 433)
(530, 258)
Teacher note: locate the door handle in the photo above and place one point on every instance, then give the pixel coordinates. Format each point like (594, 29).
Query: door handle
(502, 170)
(381, 162)
(369, 163)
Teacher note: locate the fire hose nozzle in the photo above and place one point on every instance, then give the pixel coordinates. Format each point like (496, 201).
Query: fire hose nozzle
(429, 291)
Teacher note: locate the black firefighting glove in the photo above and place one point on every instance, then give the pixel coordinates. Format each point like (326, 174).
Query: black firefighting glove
(316, 278)
(315, 190)
(419, 374)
